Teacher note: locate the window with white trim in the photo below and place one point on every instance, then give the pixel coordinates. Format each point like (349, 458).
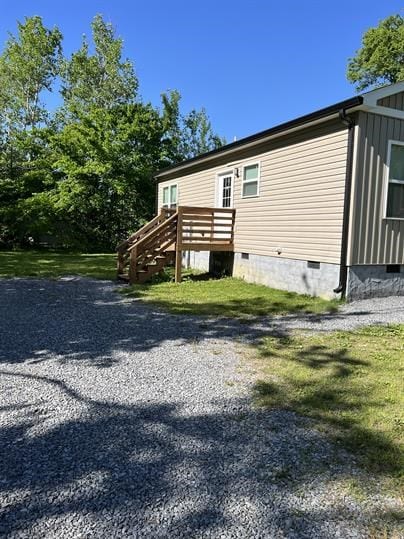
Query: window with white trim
(395, 187)
(251, 175)
(170, 193)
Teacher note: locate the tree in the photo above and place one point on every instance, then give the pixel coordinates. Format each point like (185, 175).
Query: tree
(28, 66)
(101, 80)
(185, 135)
(381, 58)
(105, 164)
(198, 136)
(83, 175)
(107, 147)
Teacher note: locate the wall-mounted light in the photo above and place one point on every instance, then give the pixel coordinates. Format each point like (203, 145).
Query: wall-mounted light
(236, 172)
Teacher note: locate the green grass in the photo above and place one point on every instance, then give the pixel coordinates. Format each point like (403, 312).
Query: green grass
(49, 264)
(230, 297)
(350, 383)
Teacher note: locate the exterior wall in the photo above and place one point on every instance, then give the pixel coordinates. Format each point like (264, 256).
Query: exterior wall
(299, 210)
(196, 259)
(373, 238)
(373, 281)
(287, 274)
(394, 101)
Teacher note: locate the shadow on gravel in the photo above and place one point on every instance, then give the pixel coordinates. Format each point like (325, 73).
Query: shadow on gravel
(148, 470)
(143, 466)
(83, 321)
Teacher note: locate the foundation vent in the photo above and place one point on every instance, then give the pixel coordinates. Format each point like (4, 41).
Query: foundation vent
(393, 268)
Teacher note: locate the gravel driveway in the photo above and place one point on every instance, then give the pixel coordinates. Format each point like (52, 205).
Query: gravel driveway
(118, 420)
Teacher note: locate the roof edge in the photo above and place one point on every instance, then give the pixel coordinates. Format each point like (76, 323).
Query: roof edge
(261, 135)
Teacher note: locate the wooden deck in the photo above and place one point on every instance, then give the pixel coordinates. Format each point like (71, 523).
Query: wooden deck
(164, 238)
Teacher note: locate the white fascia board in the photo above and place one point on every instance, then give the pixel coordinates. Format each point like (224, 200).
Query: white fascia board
(371, 98)
(383, 111)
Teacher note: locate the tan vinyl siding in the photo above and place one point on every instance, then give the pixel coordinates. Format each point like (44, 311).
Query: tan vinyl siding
(395, 101)
(375, 240)
(300, 205)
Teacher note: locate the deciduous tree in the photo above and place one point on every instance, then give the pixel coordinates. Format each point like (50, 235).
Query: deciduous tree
(380, 60)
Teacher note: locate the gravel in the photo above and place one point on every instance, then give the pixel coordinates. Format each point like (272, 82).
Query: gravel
(118, 420)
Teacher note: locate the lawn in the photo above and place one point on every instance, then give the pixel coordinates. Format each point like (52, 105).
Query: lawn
(200, 295)
(350, 383)
(49, 264)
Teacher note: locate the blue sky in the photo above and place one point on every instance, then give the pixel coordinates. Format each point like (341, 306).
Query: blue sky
(252, 64)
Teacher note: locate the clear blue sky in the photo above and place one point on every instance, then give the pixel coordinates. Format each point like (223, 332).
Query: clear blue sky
(252, 64)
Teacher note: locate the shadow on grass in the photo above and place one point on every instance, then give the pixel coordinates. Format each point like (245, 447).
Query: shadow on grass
(348, 391)
(227, 297)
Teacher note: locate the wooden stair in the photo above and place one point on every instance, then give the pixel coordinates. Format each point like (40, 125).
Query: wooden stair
(161, 241)
(151, 268)
(149, 250)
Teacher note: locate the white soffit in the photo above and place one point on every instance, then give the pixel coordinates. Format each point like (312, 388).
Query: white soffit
(371, 98)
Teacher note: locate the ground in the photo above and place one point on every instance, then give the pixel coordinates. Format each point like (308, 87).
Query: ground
(52, 264)
(118, 419)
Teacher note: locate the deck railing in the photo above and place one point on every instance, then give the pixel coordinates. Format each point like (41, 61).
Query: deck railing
(205, 228)
(186, 228)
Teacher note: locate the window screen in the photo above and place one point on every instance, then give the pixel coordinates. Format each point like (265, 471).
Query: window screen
(250, 180)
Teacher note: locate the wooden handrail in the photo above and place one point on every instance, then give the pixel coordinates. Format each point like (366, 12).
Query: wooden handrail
(154, 231)
(139, 232)
(162, 216)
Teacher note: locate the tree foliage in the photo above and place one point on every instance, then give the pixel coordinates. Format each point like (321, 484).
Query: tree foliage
(186, 135)
(28, 66)
(104, 164)
(101, 79)
(81, 176)
(380, 60)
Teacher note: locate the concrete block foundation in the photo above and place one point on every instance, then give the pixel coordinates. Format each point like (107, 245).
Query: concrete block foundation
(304, 277)
(374, 281)
(285, 274)
(301, 276)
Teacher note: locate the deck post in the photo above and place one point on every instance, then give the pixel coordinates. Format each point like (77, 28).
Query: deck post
(178, 247)
(132, 265)
(120, 262)
(233, 218)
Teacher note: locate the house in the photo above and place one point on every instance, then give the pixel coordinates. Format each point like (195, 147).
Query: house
(317, 203)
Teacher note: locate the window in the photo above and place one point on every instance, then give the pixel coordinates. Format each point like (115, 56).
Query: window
(226, 192)
(250, 180)
(395, 188)
(170, 196)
